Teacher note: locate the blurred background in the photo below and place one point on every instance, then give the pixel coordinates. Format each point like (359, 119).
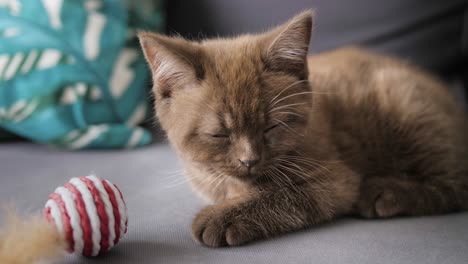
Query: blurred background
(89, 83)
(430, 33)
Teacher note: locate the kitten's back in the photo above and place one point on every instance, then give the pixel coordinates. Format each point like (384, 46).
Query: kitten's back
(389, 119)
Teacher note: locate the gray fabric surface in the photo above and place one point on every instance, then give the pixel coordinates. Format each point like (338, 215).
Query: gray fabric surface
(161, 207)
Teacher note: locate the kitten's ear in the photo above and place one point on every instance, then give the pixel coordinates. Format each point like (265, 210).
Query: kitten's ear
(173, 61)
(288, 44)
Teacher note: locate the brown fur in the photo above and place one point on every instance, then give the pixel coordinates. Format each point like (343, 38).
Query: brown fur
(29, 240)
(343, 132)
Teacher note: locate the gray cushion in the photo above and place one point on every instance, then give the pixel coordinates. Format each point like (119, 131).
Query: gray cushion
(161, 207)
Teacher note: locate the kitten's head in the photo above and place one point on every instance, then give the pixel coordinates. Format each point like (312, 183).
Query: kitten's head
(234, 106)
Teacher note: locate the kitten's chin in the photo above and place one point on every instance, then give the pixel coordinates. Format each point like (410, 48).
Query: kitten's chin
(246, 175)
(238, 173)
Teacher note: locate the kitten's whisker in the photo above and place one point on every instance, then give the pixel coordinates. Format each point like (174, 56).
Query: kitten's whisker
(288, 127)
(280, 180)
(291, 113)
(174, 174)
(209, 181)
(168, 177)
(209, 106)
(286, 97)
(284, 106)
(221, 180)
(295, 165)
(291, 183)
(312, 160)
(317, 167)
(177, 181)
(171, 185)
(176, 178)
(277, 178)
(273, 178)
(214, 110)
(295, 172)
(215, 179)
(285, 177)
(298, 168)
(301, 155)
(282, 91)
(294, 109)
(307, 161)
(316, 180)
(313, 164)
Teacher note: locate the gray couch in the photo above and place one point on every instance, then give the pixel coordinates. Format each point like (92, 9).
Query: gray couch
(161, 207)
(428, 32)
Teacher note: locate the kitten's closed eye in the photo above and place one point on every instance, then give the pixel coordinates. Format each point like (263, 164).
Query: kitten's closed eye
(268, 129)
(219, 135)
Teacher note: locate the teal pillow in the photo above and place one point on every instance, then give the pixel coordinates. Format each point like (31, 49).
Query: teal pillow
(71, 72)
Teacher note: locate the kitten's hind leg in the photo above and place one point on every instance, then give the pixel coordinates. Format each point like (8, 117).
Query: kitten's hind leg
(387, 197)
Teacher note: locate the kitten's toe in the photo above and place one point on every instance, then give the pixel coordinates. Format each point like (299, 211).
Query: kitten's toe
(366, 205)
(209, 228)
(386, 205)
(214, 234)
(199, 225)
(238, 234)
(221, 226)
(378, 200)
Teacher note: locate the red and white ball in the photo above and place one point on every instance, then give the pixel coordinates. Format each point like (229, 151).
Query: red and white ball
(90, 213)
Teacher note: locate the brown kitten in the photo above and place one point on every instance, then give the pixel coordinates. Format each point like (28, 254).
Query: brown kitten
(279, 141)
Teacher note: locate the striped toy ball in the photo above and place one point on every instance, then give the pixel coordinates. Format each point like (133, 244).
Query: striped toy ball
(90, 213)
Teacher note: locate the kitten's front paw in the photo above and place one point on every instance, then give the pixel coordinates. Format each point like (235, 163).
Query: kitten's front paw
(217, 226)
(378, 200)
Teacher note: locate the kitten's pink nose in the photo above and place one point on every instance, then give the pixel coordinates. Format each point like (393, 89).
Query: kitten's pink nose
(249, 163)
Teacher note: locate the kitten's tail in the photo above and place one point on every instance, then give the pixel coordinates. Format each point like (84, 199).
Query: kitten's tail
(29, 240)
